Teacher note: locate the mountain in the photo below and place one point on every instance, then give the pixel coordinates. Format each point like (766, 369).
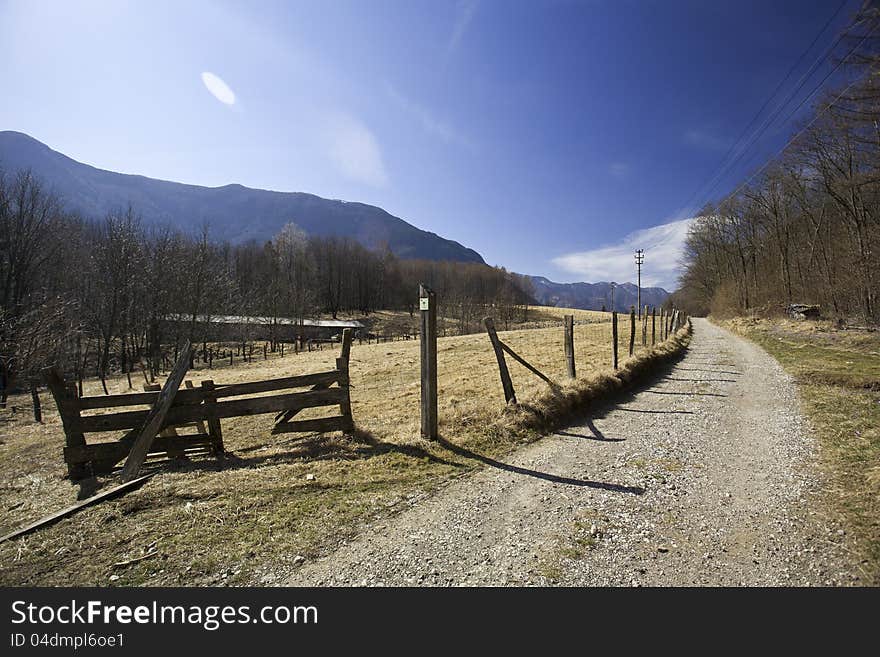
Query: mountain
(593, 296)
(234, 212)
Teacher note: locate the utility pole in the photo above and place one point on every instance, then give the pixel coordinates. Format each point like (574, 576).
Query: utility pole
(640, 258)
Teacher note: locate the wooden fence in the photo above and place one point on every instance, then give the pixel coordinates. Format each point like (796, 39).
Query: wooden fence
(199, 407)
(670, 322)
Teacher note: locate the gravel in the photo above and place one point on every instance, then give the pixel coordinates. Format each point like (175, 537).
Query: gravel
(707, 476)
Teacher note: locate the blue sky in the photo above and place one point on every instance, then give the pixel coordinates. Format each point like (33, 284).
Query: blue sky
(551, 136)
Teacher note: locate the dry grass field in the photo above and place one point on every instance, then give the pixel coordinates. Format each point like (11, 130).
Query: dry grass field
(279, 498)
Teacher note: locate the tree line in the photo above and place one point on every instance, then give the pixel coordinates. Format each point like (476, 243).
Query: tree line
(806, 228)
(91, 296)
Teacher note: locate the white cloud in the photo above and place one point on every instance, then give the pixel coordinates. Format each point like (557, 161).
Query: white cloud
(618, 169)
(355, 150)
(663, 247)
(429, 122)
(218, 88)
(464, 14)
(705, 140)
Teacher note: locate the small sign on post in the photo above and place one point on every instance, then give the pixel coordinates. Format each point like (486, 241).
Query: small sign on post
(428, 352)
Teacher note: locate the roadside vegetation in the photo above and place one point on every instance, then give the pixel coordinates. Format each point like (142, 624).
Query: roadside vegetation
(281, 499)
(838, 372)
(805, 227)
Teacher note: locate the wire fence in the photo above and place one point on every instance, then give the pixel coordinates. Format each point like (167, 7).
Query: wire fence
(386, 374)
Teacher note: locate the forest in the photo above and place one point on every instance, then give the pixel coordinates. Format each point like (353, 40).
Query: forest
(89, 296)
(805, 227)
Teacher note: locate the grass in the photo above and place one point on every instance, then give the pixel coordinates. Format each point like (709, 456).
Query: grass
(283, 496)
(838, 372)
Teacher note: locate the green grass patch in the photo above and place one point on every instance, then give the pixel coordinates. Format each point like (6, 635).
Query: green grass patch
(838, 373)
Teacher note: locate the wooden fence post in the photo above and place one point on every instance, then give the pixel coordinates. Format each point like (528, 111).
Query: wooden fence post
(214, 429)
(569, 345)
(506, 383)
(614, 336)
(344, 382)
(68, 407)
(428, 346)
(653, 325)
(632, 329)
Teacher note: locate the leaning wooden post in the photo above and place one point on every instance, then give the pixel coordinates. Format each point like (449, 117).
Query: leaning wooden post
(632, 329)
(653, 325)
(614, 337)
(506, 383)
(144, 437)
(345, 382)
(428, 346)
(569, 345)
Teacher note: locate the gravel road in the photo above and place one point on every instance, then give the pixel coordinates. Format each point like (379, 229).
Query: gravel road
(704, 477)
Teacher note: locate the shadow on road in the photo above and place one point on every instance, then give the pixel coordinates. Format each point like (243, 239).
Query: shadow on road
(568, 481)
(702, 380)
(701, 369)
(594, 434)
(642, 410)
(686, 394)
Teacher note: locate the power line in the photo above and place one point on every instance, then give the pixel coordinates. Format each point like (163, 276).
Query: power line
(722, 168)
(815, 118)
(770, 120)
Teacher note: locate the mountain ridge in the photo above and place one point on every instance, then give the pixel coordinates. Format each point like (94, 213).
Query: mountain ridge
(594, 296)
(235, 212)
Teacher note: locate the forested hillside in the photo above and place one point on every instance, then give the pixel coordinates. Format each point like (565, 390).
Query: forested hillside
(805, 228)
(89, 295)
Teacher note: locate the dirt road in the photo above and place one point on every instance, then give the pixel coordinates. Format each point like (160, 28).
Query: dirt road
(704, 477)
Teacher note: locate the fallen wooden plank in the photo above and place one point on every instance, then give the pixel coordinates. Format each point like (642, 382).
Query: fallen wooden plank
(145, 437)
(58, 515)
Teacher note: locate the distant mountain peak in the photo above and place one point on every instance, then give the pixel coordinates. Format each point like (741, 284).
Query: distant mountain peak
(234, 212)
(594, 296)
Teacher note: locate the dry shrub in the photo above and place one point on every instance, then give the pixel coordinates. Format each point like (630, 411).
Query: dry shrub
(552, 409)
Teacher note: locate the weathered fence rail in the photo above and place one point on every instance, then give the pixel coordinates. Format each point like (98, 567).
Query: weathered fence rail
(201, 407)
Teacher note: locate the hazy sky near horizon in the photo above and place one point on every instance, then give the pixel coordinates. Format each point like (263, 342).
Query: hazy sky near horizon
(552, 136)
